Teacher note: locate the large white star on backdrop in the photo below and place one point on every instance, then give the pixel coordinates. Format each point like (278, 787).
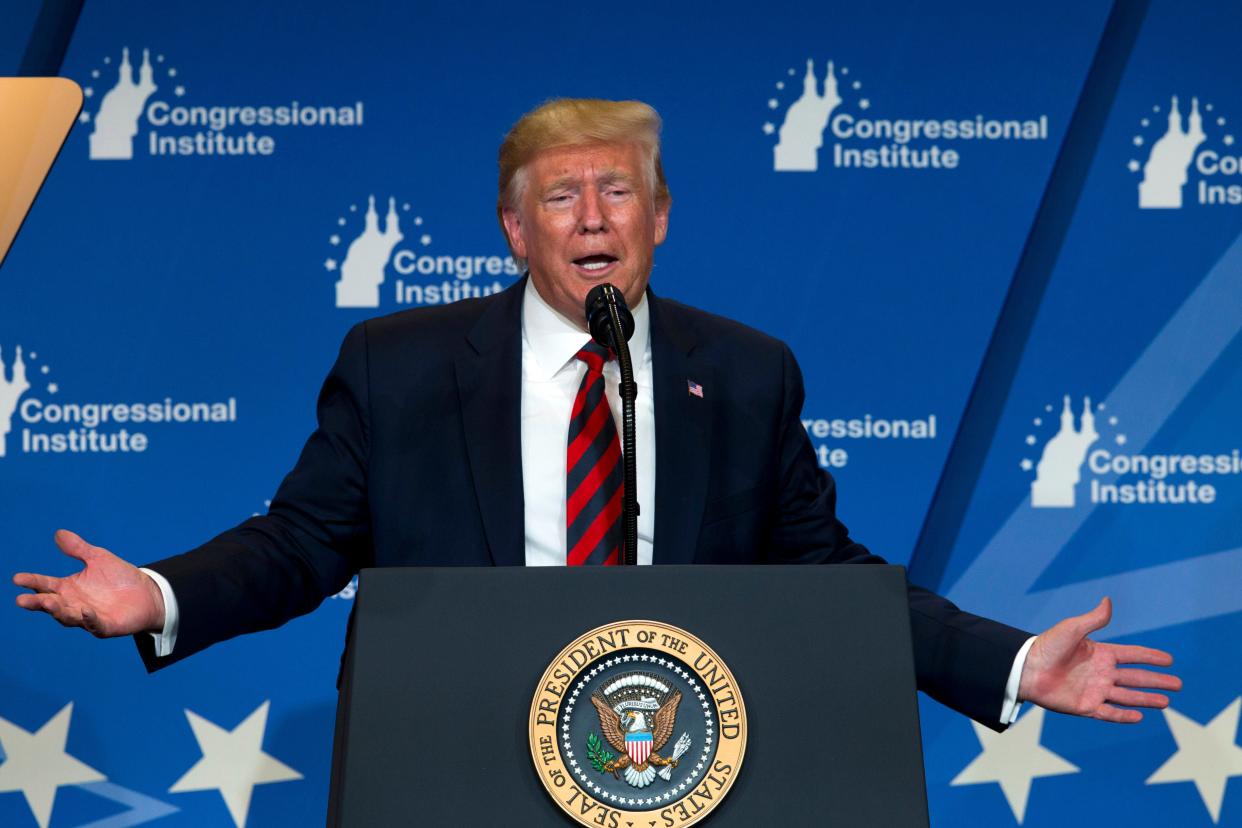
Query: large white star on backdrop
(1013, 759)
(36, 763)
(233, 762)
(1206, 755)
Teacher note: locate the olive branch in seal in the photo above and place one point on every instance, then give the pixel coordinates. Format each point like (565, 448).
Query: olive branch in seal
(596, 752)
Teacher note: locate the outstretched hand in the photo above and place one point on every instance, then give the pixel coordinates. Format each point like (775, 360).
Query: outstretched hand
(1067, 672)
(108, 597)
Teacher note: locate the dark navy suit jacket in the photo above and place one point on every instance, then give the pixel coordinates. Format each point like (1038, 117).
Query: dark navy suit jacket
(417, 461)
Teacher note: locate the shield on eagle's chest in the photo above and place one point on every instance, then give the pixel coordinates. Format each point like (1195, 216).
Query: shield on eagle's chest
(638, 746)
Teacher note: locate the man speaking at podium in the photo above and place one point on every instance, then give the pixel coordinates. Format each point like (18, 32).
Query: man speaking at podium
(482, 433)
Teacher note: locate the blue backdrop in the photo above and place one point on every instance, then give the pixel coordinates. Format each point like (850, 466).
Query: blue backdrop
(877, 185)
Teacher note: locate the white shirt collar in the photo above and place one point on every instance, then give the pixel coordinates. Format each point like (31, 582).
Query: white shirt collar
(553, 340)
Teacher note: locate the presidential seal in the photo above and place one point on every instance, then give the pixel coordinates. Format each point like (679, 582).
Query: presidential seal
(637, 723)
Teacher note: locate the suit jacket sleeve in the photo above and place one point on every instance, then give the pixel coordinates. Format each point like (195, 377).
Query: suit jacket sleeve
(315, 536)
(961, 660)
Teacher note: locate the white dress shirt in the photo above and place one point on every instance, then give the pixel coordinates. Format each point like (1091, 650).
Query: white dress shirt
(550, 378)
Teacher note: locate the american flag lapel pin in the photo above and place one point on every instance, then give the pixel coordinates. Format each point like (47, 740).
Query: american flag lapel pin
(694, 388)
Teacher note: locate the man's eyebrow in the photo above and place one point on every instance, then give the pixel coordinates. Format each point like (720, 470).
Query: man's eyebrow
(606, 178)
(561, 183)
(615, 177)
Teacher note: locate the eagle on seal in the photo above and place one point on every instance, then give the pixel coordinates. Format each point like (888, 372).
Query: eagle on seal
(637, 735)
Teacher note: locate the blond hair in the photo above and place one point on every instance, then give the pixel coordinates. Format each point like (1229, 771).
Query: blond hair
(567, 122)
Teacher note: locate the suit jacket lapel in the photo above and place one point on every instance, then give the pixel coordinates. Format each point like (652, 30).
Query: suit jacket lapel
(683, 436)
(489, 386)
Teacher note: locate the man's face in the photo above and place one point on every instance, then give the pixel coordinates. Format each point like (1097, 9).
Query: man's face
(587, 216)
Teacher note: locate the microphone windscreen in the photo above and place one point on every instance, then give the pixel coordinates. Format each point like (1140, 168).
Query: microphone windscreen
(599, 319)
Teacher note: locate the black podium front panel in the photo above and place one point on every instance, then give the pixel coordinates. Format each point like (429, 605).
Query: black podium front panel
(444, 663)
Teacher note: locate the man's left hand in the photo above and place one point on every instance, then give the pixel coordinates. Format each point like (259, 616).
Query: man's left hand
(1067, 672)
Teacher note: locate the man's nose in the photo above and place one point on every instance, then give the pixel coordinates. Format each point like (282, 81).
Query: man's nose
(591, 213)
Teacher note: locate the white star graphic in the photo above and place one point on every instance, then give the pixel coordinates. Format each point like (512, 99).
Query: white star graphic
(84, 118)
(1138, 140)
(1228, 139)
(426, 240)
(334, 239)
(1206, 755)
(865, 103)
(1120, 439)
(88, 92)
(1030, 439)
(1013, 759)
(1133, 166)
(329, 264)
(36, 763)
(773, 103)
(769, 128)
(52, 388)
(179, 90)
(1026, 464)
(233, 762)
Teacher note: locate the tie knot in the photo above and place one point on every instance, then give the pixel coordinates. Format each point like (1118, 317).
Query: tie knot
(595, 355)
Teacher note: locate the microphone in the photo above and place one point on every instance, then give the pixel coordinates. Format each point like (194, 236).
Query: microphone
(600, 303)
(611, 325)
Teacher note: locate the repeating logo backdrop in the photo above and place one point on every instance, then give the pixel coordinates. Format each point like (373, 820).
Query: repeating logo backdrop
(243, 186)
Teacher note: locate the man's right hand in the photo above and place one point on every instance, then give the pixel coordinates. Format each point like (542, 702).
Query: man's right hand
(108, 597)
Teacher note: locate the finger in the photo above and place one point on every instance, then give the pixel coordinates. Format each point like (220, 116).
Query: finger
(1134, 654)
(1148, 679)
(39, 583)
(1098, 618)
(53, 606)
(1081, 626)
(73, 545)
(1108, 713)
(30, 601)
(1137, 698)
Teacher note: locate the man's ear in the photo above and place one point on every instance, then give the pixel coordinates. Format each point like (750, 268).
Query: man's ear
(513, 229)
(661, 219)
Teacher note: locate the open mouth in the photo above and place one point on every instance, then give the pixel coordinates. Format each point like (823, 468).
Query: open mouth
(596, 263)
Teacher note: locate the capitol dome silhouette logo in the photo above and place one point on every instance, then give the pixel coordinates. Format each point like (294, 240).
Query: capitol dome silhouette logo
(801, 132)
(115, 123)
(368, 254)
(14, 383)
(1059, 469)
(1165, 172)
(1178, 151)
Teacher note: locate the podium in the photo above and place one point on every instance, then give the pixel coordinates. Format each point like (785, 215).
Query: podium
(442, 665)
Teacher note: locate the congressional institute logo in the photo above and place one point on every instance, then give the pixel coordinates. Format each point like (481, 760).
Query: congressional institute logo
(637, 723)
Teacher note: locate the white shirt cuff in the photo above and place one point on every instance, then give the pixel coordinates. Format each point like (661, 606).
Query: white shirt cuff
(167, 639)
(1009, 712)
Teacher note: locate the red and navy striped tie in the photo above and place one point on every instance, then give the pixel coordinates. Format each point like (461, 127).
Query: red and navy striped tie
(594, 473)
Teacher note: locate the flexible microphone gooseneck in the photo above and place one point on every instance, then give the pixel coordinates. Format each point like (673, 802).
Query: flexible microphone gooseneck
(611, 325)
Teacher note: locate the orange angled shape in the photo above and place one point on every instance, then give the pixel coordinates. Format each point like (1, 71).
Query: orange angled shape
(36, 115)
